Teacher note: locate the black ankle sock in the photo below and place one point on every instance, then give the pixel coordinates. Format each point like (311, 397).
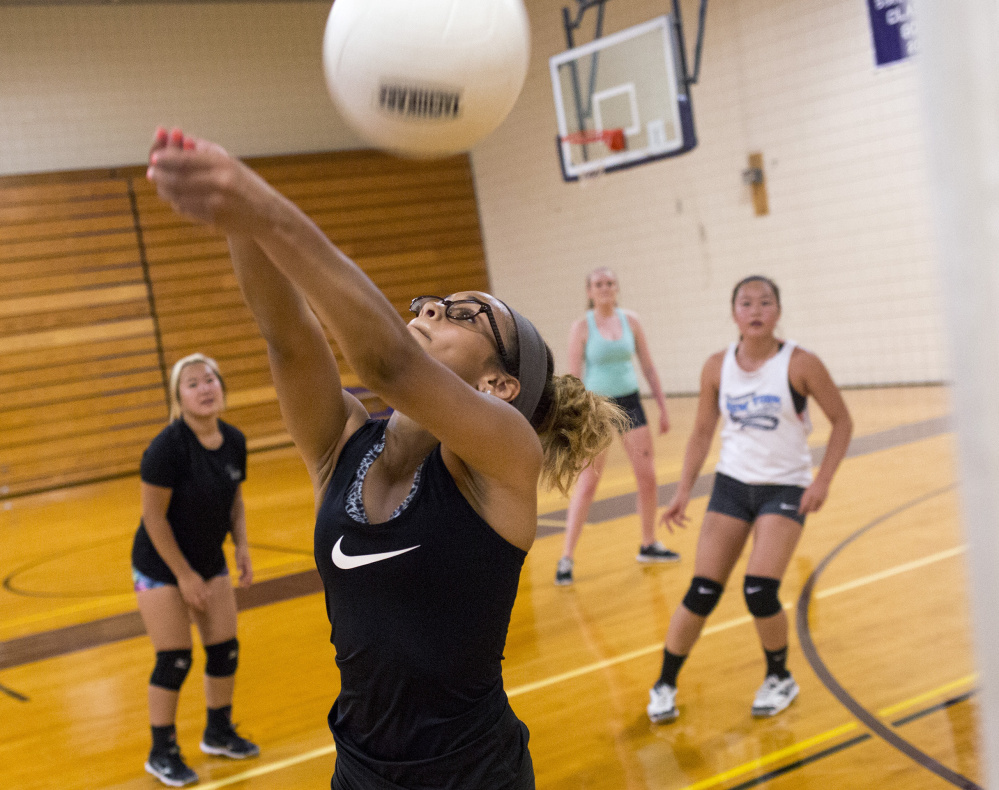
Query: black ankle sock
(777, 663)
(219, 719)
(671, 668)
(164, 737)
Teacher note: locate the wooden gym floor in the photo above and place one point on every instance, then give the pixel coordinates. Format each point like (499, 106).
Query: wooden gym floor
(882, 648)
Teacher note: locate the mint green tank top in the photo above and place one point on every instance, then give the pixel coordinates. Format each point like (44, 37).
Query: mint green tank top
(609, 370)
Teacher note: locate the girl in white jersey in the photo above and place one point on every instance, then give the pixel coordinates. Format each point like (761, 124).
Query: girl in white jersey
(763, 484)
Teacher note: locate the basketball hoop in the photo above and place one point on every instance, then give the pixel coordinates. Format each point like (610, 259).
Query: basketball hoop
(614, 139)
(591, 167)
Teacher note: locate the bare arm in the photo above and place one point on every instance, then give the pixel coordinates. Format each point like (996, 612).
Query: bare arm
(237, 520)
(155, 501)
(648, 369)
(699, 443)
(578, 336)
(203, 182)
(810, 377)
(303, 366)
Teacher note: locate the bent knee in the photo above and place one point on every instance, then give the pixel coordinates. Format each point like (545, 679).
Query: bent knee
(761, 596)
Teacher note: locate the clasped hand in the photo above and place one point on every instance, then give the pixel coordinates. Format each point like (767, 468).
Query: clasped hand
(203, 182)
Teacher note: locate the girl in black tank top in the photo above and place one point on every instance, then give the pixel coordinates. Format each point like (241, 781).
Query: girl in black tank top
(423, 520)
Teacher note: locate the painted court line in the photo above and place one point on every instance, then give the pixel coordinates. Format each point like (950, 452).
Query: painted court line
(54, 614)
(717, 779)
(874, 724)
(748, 767)
(829, 735)
(889, 572)
(267, 769)
(737, 621)
(58, 641)
(774, 757)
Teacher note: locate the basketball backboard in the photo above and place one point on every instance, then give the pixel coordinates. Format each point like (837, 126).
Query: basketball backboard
(633, 80)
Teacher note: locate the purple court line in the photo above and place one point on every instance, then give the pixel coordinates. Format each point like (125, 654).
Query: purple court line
(868, 719)
(622, 504)
(48, 644)
(11, 693)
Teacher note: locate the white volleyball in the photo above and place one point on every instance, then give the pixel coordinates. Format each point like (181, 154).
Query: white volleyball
(425, 78)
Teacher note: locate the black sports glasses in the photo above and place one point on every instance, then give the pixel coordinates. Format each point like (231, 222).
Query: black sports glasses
(464, 310)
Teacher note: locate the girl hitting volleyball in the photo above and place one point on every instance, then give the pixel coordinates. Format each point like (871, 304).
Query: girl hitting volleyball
(763, 485)
(424, 520)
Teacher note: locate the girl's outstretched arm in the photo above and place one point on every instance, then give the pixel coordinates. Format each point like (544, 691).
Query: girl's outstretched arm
(203, 182)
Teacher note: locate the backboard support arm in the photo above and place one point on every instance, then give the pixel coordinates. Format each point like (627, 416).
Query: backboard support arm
(688, 77)
(583, 112)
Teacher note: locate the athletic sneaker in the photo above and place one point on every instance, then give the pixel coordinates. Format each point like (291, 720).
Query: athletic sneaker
(228, 743)
(656, 552)
(169, 767)
(563, 573)
(662, 703)
(774, 695)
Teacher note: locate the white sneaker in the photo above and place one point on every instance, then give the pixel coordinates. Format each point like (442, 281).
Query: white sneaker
(662, 704)
(774, 695)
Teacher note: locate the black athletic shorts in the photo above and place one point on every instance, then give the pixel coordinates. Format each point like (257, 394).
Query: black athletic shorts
(743, 501)
(352, 774)
(632, 405)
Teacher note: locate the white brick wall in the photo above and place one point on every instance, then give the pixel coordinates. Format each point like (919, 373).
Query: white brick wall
(85, 85)
(848, 236)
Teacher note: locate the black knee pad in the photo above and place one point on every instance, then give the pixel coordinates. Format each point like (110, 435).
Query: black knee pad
(222, 659)
(761, 596)
(171, 668)
(703, 595)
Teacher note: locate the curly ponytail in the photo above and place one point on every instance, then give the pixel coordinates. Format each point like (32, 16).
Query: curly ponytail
(574, 425)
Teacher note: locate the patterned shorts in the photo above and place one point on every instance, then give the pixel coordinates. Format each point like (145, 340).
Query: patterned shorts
(141, 582)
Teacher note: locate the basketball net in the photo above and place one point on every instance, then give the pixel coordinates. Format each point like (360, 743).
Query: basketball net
(590, 176)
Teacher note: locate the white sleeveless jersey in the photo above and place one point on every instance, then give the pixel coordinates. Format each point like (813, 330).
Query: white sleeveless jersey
(764, 440)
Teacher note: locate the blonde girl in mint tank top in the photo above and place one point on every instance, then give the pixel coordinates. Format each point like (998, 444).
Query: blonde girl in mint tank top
(602, 347)
(763, 486)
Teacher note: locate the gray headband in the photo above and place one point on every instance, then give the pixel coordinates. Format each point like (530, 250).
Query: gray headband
(533, 372)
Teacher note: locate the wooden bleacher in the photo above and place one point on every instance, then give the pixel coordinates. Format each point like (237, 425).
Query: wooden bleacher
(103, 288)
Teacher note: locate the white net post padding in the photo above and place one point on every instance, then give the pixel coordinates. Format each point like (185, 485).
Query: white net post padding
(959, 72)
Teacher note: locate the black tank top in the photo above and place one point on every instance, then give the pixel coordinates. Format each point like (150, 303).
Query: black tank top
(419, 607)
(203, 486)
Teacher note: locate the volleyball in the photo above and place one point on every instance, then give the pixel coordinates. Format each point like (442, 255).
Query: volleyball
(425, 78)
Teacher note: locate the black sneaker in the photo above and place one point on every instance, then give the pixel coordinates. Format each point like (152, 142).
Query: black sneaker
(563, 573)
(169, 767)
(228, 743)
(656, 552)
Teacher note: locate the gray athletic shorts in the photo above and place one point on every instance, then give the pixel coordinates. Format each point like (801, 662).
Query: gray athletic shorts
(746, 502)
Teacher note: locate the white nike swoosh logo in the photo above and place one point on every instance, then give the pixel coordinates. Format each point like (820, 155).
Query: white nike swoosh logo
(784, 506)
(345, 562)
(751, 590)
